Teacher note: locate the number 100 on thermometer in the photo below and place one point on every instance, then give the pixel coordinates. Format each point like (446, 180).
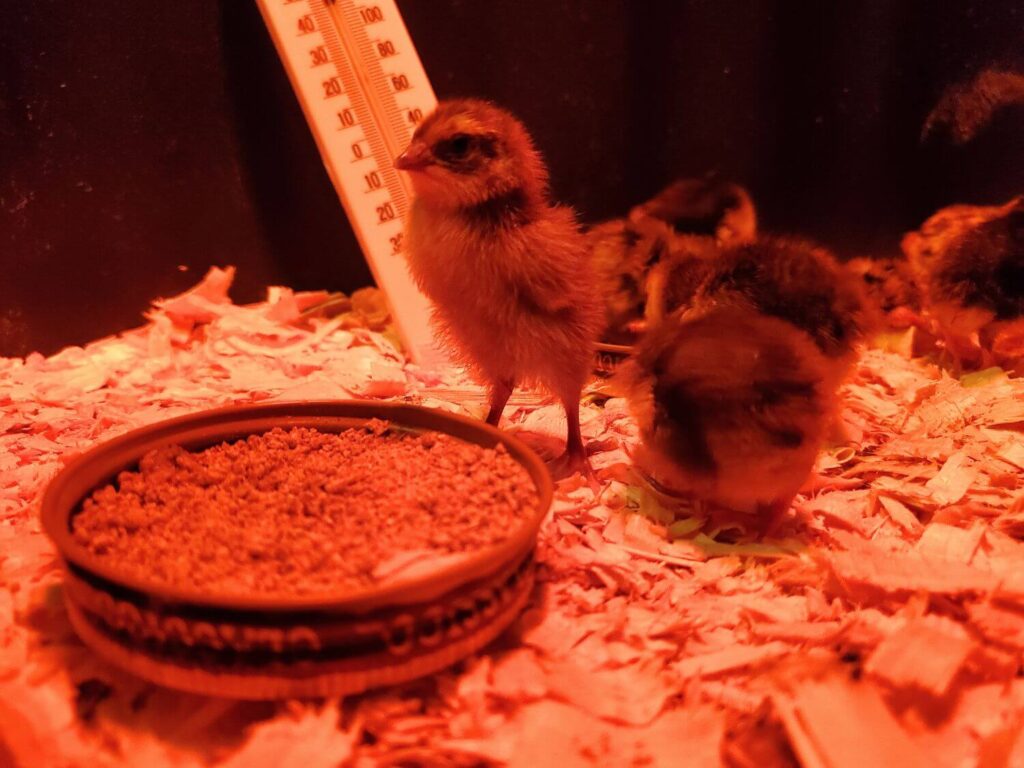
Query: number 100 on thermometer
(363, 90)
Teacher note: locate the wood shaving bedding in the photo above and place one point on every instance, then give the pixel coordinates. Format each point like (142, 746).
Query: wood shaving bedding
(888, 620)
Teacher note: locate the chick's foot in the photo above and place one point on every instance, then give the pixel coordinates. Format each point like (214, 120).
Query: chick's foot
(570, 463)
(772, 516)
(575, 457)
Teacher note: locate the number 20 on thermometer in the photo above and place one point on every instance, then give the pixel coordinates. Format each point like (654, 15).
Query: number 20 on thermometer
(363, 90)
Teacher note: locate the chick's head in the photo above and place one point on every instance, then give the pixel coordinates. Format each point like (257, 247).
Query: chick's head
(888, 282)
(984, 267)
(468, 153)
(708, 207)
(969, 262)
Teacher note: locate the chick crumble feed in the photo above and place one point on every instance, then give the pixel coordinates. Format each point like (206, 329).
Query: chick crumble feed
(301, 511)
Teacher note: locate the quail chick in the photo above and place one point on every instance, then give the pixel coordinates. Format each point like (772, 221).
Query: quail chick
(967, 108)
(706, 215)
(732, 406)
(623, 253)
(798, 282)
(673, 282)
(735, 390)
(891, 287)
(708, 207)
(508, 271)
(656, 256)
(969, 261)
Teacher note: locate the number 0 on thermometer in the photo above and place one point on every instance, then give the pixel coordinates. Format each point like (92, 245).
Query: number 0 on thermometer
(363, 90)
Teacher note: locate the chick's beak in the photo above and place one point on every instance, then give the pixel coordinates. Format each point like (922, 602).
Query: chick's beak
(415, 158)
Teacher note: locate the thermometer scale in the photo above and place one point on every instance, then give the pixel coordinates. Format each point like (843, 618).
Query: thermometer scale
(363, 89)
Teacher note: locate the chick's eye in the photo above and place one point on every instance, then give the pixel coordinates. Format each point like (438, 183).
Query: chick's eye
(455, 147)
(460, 144)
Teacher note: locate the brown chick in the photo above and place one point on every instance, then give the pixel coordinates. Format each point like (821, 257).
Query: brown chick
(966, 108)
(735, 391)
(890, 286)
(673, 282)
(623, 252)
(656, 256)
(705, 215)
(969, 261)
(798, 282)
(708, 207)
(732, 406)
(507, 271)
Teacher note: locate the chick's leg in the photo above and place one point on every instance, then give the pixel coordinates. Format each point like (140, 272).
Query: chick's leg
(501, 391)
(773, 515)
(575, 457)
(573, 437)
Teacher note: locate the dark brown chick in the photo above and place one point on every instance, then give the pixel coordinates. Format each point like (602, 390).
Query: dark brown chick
(890, 286)
(653, 258)
(732, 406)
(969, 261)
(507, 271)
(706, 216)
(800, 283)
(623, 252)
(708, 207)
(735, 391)
(791, 279)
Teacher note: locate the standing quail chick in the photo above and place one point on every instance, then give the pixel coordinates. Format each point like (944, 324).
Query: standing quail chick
(736, 390)
(969, 261)
(507, 271)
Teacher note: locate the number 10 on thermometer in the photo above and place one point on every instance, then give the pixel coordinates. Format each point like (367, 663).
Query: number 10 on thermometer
(363, 90)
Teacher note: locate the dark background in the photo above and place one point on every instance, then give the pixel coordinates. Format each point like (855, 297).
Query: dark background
(141, 143)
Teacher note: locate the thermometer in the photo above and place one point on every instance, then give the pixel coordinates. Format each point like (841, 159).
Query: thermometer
(363, 90)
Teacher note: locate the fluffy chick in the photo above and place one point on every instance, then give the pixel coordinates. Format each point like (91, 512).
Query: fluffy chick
(969, 261)
(507, 271)
(732, 406)
(655, 256)
(800, 283)
(705, 215)
(709, 207)
(623, 252)
(674, 281)
(966, 108)
(735, 391)
(890, 286)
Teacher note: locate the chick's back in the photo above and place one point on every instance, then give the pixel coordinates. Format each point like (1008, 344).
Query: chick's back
(797, 282)
(732, 404)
